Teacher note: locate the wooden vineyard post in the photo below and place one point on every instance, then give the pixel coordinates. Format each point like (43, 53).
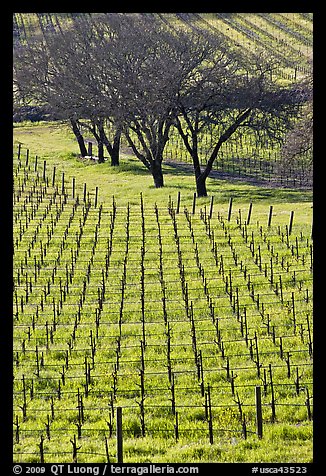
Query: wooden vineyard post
(178, 202)
(211, 207)
(272, 394)
(85, 192)
(291, 222)
(96, 197)
(53, 176)
(270, 216)
(239, 219)
(259, 415)
(107, 450)
(230, 209)
(194, 204)
(119, 436)
(249, 213)
(44, 170)
(19, 150)
(210, 418)
(17, 429)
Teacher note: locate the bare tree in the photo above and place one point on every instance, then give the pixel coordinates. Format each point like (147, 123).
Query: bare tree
(65, 71)
(230, 95)
(149, 64)
(40, 78)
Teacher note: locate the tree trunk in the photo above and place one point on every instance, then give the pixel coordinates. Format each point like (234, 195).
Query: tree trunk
(200, 178)
(79, 137)
(115, 161)
(100, 154)
(100, 137)
(201, 186)
(116, 149)
(156, 169)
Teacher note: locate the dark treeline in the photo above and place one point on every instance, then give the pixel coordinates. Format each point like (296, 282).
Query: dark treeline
(116, 74)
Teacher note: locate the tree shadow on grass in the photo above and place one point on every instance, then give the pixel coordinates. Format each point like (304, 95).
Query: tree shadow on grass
(245, 188)
(257, 193)
(219, 184)
(126, 165)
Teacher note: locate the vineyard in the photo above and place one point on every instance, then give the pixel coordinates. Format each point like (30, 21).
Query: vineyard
(190, 318)
(287, 36)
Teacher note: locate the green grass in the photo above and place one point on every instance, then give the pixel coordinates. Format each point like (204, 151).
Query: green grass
(55, 143)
